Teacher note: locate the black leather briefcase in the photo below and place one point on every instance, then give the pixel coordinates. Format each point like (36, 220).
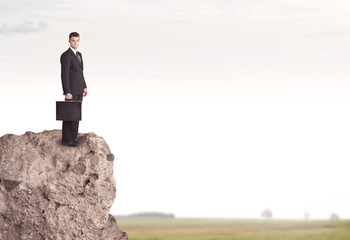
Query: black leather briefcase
(68, 110)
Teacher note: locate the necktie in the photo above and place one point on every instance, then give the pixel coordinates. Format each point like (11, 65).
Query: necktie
(79, 58)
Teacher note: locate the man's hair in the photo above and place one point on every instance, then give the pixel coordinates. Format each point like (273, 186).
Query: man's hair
(73, 34)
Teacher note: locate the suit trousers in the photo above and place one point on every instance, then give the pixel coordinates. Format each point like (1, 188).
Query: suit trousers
(70, 128)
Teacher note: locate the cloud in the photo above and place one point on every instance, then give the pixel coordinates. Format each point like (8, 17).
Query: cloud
(23, 28)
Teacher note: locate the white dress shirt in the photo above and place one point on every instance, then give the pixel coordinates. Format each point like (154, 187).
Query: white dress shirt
(75, 51)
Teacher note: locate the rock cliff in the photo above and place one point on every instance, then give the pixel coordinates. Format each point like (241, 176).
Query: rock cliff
(52, 192)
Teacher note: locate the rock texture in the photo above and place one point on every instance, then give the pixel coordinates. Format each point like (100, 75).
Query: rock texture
(49, 191)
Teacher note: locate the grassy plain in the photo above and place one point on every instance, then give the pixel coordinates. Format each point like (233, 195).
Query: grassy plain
(233, 229)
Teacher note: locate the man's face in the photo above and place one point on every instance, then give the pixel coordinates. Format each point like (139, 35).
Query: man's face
(74, 42)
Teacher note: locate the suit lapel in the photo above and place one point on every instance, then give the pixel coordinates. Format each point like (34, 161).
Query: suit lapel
(76, 58)
(82, 63)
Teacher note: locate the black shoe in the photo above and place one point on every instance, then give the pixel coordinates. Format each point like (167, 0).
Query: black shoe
(77, 141)
(69, 144)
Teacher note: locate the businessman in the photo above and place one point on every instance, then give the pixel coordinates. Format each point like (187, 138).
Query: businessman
(74, 86)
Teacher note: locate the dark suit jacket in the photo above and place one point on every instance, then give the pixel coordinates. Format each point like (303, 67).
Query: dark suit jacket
(72, 75)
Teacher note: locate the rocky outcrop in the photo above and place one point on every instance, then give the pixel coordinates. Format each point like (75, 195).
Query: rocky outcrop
(50, 191)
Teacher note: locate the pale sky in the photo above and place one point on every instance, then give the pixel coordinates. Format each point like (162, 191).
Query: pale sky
(212, 108)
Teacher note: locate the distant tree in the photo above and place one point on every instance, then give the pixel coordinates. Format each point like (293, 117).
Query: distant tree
(334, 216)
(267, 214)
(153, 215)
(306, 215)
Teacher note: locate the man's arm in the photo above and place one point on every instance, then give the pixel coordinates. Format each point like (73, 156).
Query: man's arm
(65, 67)
(85, 88)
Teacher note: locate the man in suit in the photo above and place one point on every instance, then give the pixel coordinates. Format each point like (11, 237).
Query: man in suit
(74, 86)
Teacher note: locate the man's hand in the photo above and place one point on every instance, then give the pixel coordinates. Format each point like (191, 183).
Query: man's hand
(85, 92)
(69, 96)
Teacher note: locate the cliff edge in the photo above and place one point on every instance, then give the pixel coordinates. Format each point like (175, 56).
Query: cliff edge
(49, 191)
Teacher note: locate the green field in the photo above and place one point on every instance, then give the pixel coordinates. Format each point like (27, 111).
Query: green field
(233, 229)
